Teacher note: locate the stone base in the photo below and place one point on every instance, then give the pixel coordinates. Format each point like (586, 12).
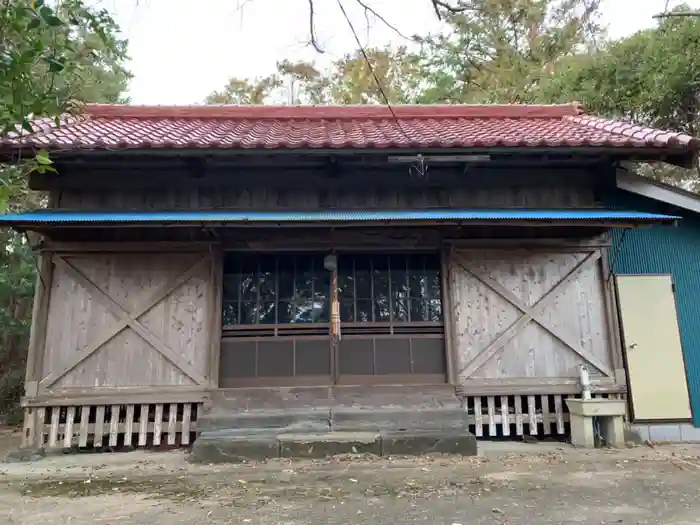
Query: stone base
(235, 449)
(330, 444)
(415, 443)
(297, 420)
(402, 420)
(24, 455)
(232, 450)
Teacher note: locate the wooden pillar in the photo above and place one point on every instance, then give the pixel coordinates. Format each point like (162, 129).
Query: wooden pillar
(335, 325)
(37, 334)
(216, 277)
(36, 350)
(612, 319)
(449, 317)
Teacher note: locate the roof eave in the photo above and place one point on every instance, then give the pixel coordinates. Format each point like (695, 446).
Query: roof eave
(642, 186)
(685, 157)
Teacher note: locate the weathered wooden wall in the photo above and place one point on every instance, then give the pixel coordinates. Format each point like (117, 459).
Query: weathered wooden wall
(549, 196)
(523, 321)
(120, 323)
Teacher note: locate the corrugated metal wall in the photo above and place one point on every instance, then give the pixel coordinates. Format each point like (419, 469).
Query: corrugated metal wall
(666, 250)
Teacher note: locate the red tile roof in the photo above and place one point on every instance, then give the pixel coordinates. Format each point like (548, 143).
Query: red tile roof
(367, 127)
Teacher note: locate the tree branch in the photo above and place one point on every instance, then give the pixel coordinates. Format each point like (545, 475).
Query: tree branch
(440, 6)
(678, 14)
(312, 27)
(379, 17)
(452, 9)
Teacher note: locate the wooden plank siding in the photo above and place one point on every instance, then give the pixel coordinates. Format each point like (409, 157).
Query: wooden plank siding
(124, 322)
(524, 320)
(261, 198)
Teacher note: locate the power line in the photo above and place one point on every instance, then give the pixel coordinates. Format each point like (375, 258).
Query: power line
(419, 167)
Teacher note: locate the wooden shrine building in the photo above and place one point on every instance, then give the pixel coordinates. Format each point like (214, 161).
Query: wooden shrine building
(208, 260)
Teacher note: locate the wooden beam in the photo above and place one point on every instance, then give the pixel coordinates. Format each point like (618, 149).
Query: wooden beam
(84, 248)
(549, 245)
(533, 386)
(117, 396)
(37, 333)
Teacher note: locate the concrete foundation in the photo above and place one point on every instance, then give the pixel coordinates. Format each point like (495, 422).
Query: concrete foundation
(329, 444)
(608, 412)
(316, 433)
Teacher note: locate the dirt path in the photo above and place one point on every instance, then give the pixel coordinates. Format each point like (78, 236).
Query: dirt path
(509, 484)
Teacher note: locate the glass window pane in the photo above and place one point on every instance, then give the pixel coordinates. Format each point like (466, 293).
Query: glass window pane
(266, 313)
(380, 277)
(249, 287)
(305, 311)
(323, 312)
(285, 285)
(267, 279)
(230, 313)
(285, 312)
(249, 312)
(419, 310)
(399, 309)
(381, 310)
(417, 283)
(346, 278)
(347, 310)
(249, 278)
(399, 276)
(322, 284)
(363, 283)
(432, 281)
(363, 311)
(304, 277)
(416, 276)
(435, 310)
(232, 285)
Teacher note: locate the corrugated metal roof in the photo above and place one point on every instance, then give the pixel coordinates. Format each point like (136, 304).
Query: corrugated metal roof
(342, 216)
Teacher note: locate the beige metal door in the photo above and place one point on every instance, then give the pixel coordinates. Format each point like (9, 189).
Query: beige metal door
(653, 347)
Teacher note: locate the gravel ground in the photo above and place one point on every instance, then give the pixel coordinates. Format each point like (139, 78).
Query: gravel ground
(509, 483)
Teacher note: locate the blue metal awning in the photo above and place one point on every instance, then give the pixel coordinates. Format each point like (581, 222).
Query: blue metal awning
(52, 218)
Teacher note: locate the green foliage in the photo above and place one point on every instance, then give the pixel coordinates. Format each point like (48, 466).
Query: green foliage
(651, 78)
(349, 81)
(498, 51)
(53, 57)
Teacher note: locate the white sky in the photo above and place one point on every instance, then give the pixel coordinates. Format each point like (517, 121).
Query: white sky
(183, 50)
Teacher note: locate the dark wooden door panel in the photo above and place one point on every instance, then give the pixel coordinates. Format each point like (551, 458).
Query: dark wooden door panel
(274, 362)
(409, 358)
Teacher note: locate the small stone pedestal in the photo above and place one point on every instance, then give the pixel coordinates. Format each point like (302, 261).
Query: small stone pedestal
(610, 414)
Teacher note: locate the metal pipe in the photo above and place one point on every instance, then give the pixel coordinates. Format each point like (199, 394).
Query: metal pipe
(585, 382)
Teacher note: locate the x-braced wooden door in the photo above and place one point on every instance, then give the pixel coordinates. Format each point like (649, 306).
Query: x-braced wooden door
(529, 316)
(128, 321)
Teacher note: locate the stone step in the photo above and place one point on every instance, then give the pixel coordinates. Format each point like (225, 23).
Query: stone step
(328, 444)
(427, 419)
(222, 448)
(257, 421)
(335, 419)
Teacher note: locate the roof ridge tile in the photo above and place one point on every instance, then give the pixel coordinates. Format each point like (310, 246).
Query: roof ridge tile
(333, 112)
